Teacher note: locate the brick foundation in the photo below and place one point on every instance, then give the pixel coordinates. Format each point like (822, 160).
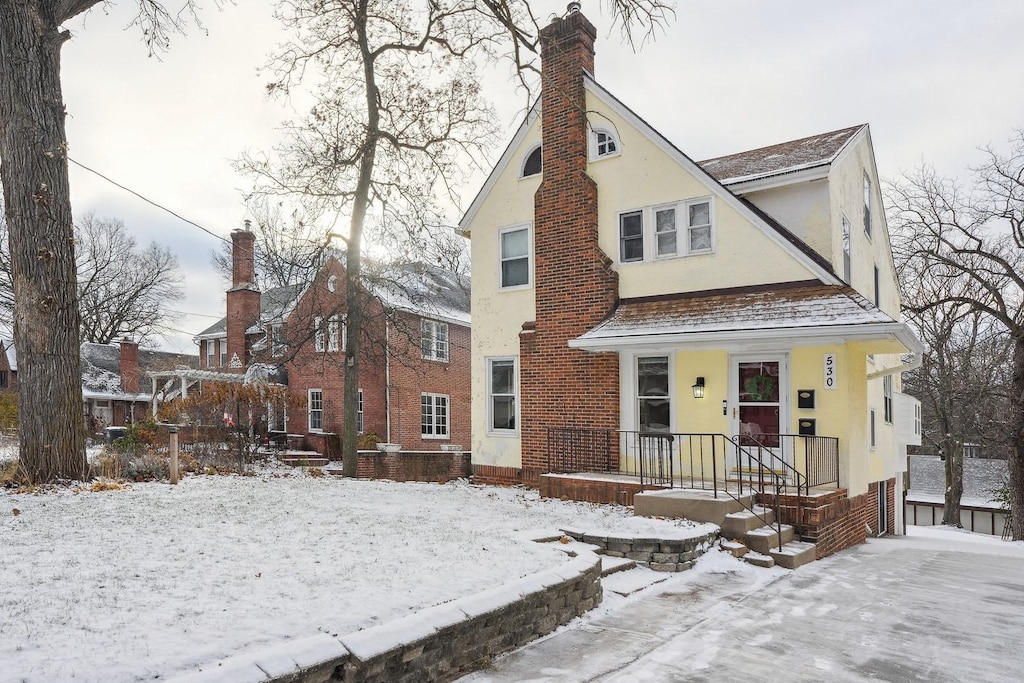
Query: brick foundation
(591, 490)
(835, 521)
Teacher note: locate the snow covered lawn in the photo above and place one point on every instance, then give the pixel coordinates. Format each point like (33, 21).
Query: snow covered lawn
(159, 579)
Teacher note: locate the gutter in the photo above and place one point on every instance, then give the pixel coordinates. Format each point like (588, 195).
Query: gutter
(387, 380)
(913, 364)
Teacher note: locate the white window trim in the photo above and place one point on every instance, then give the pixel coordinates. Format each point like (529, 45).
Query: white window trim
(529, 257)
(335, 334)
(434, 326)
(491, 431)
(635, 389)
(211, 353)
(526, 157)
(319, 335)
(846, 231)
(648, 215)
(872, 429)
(309, 410)
(222, 349)
(594, 155)
(868, 189)
(887, 404)
(360, 425)
(433, 413)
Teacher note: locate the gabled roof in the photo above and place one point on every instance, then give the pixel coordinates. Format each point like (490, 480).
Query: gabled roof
(12, 355)
(784, 157)
(101, 368)
(803, 253)
(809, 312)
(275, 304)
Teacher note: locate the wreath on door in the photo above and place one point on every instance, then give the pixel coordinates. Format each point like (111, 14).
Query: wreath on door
(760, 387)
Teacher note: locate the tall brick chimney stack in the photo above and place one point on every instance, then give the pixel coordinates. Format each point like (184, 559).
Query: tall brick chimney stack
(243, 299)
(129, 366)
(575, 285)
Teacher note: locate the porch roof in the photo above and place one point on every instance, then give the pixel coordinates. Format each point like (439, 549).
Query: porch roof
(790, 314)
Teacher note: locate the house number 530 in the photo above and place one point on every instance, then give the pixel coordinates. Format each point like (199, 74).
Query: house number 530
(830, 371)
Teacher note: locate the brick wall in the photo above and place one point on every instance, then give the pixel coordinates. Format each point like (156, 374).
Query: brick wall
(590, 490)
(575, 285)
(414, 466)
(243, 299)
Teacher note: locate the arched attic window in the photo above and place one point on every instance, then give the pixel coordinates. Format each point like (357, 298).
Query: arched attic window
(532, 165)
(603, 143)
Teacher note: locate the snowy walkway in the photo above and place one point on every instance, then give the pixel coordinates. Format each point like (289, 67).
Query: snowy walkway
(936, 606)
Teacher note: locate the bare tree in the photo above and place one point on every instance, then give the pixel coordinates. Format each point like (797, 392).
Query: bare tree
(397, 106)
(962, 380)
(122, 290)
(34, 173)
(975, 237)
(288, 249)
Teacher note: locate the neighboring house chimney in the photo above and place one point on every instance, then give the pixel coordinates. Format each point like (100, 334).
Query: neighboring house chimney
(243, 297)
(129, 366)
(575, 286)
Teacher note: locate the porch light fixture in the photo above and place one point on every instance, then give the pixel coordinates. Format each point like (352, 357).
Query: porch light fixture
(698, 388)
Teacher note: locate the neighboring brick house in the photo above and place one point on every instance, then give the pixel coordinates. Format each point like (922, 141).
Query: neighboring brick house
(8, 366)
(622, 288)
(116, 388)
(414, 384)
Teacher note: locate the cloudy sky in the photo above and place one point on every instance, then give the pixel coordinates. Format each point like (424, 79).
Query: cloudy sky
(934, 78)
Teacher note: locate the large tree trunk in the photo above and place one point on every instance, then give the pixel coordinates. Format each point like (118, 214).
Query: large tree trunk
(954, 454)
(1017, 440)
(33, 152)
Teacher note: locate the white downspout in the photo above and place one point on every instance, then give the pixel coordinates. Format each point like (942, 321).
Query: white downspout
(387, 379)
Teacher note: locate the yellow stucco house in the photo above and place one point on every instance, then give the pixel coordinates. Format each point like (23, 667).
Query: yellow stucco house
(744, 305)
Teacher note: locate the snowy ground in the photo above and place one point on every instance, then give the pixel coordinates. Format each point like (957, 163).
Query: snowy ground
(158, 579)
(937, 605)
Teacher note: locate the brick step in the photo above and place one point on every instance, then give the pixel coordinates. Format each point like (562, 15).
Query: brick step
(794, 554)
(737, 524)
(632, 580)
(765, 538)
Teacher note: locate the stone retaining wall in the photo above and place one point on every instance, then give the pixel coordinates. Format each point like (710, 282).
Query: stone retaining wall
(660, 554)
(439, 643)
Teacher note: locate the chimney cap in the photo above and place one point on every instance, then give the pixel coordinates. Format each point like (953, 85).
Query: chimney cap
(573, 7)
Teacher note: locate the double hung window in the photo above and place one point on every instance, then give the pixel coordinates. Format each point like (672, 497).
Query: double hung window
(659, 229)
(515, 257)
(316, 410)
(434, 416)
(501, 395)
(434, 340)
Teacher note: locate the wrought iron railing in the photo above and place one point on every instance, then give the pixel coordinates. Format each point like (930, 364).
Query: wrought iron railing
(573, 449)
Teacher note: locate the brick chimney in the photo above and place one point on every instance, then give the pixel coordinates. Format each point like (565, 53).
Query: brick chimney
(129, 366)
(243, 299)
(575, 286)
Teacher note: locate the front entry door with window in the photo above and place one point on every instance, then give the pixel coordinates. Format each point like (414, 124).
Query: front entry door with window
(759, 387)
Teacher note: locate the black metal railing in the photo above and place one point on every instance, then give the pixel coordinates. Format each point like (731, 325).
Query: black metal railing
(573, 450)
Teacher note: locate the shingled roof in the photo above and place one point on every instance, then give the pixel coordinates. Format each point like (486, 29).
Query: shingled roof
(785, 157)
(101, 366)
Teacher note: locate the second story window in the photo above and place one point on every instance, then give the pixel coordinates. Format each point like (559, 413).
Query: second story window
(887, 398)
(878, 291)
(698, 226)
(319, 334)
(846, 249)
(211, 353)
(434, 340)
(223, 343)
(335, 333)
(277, 342)
(533, 163)
(665, 231)
(515, 257)
(867, 204)
(603, 144)
(631, 236)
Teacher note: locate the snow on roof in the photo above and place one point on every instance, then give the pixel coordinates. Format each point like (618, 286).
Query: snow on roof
(275, 304)
(101, 367)
(791, 305)
(981, 476)
(784, 157)
(427, 290)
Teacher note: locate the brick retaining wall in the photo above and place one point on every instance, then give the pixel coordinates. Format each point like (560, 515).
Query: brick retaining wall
(609, 491)
(439, 643)
(430, 466)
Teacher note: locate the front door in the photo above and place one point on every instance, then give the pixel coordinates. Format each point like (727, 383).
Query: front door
(758, 389)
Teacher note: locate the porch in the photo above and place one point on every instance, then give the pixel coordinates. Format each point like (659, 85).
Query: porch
(702, 477)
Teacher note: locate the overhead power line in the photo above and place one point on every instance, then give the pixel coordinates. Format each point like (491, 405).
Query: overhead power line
(149, 201)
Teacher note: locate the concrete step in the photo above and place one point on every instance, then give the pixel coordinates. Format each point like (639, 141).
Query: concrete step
(632, 580)
(693, 504)
(759, 560)
(767, 537)
(737, 524)
(734, 548)
(794, 554)
(611, 565)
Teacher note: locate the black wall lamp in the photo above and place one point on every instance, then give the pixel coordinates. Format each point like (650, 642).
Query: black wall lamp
(698, 388)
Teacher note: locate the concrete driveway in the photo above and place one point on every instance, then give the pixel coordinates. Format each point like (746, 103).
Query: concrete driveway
(935, 606)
